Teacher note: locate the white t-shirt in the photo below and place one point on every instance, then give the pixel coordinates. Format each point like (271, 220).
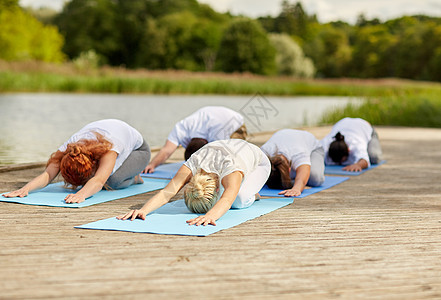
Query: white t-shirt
(357, 133)
(295, 145)
(124, 137)
(211, 123)
(223, 157)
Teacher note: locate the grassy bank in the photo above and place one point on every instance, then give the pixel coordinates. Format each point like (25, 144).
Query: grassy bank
(421, 110)
(389, 101)
(184, 83)
(38, 77)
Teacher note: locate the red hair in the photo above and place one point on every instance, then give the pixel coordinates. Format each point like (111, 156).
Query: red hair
(79, 162)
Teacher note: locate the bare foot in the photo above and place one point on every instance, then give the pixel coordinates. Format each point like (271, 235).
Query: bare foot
(138, 180)
(257, 196)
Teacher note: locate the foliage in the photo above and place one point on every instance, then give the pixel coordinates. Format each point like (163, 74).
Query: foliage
(422, 110)
(8, 4)
(330, 50)
(290, 58)
(88, 60)
(184, 34)
(245, 47)
(95, 30)
(22, 37)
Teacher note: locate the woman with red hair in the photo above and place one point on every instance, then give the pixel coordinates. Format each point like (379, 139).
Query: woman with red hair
(106, 153)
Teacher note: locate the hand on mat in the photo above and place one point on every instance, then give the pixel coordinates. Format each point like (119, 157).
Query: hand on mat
(352, 168)
(132, 215)
(202, 220)
(291, 192)
(149, 169)
(18, 193)
(74, 198)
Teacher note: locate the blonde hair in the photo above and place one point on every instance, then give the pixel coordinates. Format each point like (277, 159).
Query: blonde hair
(240, 133)
(202, 192)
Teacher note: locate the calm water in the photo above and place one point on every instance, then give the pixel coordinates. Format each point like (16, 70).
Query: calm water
(34, 125)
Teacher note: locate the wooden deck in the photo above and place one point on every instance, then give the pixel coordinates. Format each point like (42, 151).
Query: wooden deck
(377, 235)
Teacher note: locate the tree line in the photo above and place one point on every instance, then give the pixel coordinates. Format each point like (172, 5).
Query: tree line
(185, 34)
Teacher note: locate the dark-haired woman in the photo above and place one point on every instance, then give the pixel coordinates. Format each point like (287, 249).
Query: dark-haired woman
(206, 125)
(106, 153)
(354, 143)
(297, 160)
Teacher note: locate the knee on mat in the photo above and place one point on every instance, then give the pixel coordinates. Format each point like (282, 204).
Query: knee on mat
(375, 159)
(316, 179)
(243, 201)
(114, 184)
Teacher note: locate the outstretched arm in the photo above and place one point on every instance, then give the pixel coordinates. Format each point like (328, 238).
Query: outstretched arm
(231, 184)
(161, 157)
(162, 197)
(96, 183)
(357, 167)
(37, 183)
(302, 177)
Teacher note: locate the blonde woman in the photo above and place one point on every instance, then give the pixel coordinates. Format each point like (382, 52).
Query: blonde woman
(221, 175)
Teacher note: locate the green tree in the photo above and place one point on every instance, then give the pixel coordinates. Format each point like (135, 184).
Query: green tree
(293, 20)
(22, 37)
(8, 4)
(245, 47)
(89, 25)
(433, 69)
(152, 49)
(373, 52)
(290, 58)
(415, 48)
(330, 51)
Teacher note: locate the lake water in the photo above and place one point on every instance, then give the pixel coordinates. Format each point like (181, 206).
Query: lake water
(35, 125)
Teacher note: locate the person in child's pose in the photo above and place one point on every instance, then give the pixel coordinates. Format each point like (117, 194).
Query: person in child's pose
(220, 175)
(208, 124)
(297, 160)
(354, 143)
(106, 153)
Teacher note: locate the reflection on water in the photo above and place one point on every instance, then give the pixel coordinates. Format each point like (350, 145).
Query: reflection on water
(34, 125)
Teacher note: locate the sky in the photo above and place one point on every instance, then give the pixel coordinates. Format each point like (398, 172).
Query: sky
(326, 10)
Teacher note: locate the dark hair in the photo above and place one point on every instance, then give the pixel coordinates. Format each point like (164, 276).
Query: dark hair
(279, 177)
(338, 149)
(194, 145)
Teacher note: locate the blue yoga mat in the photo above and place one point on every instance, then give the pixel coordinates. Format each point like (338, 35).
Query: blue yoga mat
(338, 170)
(54, 194)
(172, 217)
(329, 182)
(166, 171)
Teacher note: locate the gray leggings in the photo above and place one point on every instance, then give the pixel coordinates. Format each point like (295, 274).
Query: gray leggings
(317, 174)
(374, 148)
(134, 164)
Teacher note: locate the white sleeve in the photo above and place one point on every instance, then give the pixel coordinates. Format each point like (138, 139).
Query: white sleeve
(175, 135)
(299, 159)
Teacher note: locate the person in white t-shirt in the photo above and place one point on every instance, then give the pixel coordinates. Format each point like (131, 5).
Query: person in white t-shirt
(354, 143)
(220, 175)
(208, 124)
(297, 160)
(106, 153)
